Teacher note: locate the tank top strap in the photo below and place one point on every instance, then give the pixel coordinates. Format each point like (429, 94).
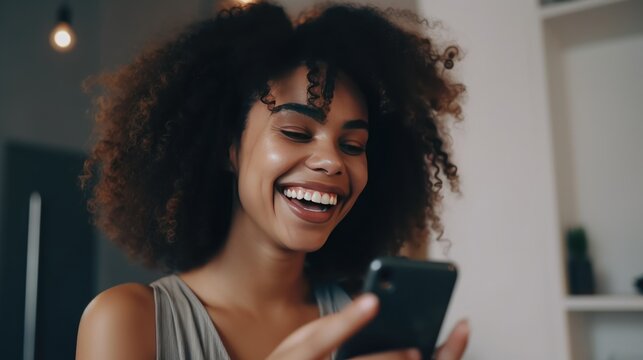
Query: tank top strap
(184, 329)
(330, 298)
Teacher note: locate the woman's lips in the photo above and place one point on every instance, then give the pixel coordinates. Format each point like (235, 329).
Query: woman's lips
(317, 217)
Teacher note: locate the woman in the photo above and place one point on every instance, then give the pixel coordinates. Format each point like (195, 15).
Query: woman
(264, 163)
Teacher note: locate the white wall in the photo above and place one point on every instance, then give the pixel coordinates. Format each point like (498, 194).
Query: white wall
(503, 227)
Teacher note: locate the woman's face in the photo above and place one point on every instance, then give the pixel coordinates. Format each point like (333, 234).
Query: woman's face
(300, 172)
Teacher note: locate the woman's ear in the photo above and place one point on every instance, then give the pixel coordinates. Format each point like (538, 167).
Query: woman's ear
(232, 158)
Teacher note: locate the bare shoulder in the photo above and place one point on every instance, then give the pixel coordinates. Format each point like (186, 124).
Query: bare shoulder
(119, 324)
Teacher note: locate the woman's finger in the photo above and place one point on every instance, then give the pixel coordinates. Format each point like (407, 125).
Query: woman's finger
(408, 354)
(454, 347)
(321, 337)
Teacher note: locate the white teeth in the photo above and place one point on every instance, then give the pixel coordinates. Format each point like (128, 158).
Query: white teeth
(310, 195)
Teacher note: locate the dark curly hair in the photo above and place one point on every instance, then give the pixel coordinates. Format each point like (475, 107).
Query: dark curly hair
(159, 172)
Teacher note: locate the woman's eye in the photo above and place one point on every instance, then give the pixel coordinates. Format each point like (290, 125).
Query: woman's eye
(353, 149)
(296, 135)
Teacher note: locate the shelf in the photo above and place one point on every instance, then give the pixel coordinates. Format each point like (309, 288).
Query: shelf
(593, 51)
(562, 8)
(604, 303)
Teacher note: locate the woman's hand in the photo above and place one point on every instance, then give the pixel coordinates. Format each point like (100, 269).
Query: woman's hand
(318, 339)
(454, 347)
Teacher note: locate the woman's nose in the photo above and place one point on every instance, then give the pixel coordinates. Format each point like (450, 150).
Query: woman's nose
(326, 157)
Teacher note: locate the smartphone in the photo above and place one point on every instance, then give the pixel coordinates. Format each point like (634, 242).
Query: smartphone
(414, 296)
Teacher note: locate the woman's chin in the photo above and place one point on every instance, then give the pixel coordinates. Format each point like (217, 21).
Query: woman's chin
(305, 244)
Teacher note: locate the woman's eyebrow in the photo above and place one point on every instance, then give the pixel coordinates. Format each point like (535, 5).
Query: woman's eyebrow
(356, 124)
(307, 110)
(319, 115)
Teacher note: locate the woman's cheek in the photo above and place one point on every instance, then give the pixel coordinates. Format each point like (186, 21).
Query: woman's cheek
(277, 152)
(360, 176)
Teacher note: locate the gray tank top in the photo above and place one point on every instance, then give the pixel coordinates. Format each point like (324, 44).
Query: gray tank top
(184, 330)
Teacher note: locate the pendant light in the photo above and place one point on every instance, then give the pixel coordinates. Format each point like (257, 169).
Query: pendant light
(63, 37)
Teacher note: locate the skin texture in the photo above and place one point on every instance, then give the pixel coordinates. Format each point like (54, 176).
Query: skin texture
(255, 290)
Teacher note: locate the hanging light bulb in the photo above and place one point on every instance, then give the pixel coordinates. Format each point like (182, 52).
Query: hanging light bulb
(62, 37)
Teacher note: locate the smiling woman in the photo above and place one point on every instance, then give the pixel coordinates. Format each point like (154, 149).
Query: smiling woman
(263, 163)
(294, 158)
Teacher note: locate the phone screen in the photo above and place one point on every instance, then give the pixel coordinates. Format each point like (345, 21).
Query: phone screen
(414, 297)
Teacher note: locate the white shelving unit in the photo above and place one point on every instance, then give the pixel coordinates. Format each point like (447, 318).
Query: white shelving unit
(594, 65)
(559, 9)
(604, 303)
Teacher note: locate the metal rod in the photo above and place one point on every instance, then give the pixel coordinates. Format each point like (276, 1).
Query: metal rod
(31, 283)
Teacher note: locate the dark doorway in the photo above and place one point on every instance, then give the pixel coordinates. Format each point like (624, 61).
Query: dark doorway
(64, 280)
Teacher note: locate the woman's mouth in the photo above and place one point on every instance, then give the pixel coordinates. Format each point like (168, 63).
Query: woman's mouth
(310, 205)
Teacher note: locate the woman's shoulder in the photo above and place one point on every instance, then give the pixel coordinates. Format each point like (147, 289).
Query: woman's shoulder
(119, 323)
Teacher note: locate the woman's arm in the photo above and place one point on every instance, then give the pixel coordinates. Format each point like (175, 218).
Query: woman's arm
(119, 324)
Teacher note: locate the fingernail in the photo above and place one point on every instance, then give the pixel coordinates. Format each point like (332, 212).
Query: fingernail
(465, 328)
(367, 302)
(413, 354)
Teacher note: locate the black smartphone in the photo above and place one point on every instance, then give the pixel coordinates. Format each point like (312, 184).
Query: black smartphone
(414, 297)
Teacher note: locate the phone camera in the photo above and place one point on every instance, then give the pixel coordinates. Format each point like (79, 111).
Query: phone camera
(385, 282)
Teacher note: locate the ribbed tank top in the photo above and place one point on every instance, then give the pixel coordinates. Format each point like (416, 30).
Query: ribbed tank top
(184, 330)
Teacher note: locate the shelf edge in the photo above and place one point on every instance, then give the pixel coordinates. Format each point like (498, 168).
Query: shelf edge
(554, 10)
(603, 303)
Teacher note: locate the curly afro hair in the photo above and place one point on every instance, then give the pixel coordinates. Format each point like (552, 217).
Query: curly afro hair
(159, 173)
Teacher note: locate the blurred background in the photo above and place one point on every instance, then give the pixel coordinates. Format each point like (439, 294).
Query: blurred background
(548, 233)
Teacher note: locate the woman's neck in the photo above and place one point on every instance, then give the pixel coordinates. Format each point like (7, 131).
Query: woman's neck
(251, 272)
